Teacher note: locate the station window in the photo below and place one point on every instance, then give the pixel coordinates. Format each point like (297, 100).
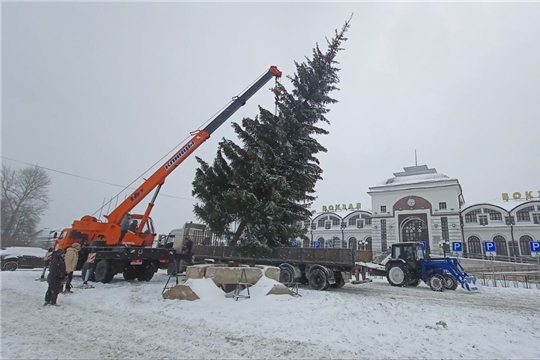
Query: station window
(383, 208)
(483, 219)
(442, 206)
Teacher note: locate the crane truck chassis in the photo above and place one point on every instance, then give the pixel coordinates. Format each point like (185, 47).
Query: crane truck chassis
(104, 251)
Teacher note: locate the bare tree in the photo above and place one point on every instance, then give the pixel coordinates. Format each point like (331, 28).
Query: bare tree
(25, 197)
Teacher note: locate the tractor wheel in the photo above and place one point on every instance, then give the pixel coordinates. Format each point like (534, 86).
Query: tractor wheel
(103, 272)
(398, 275)
(414, 282)
(340, 282)
(318, 280)
(436, 282)
(286, 275)
(450, 282)
(87, 267)
(147, 273)
(130, 273)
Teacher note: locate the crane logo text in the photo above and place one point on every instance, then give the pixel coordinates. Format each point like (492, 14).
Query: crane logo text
(179, 155)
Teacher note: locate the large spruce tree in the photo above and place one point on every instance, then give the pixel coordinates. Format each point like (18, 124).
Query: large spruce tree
(266, 185)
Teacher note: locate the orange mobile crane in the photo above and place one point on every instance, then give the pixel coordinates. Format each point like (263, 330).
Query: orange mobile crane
(102, 254)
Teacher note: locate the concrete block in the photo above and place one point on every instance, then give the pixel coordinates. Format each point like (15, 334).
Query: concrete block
(231, 275)
(280, 290)
(180, 292)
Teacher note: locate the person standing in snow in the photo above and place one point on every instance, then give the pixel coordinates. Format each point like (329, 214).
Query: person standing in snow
(57, 274)
(71, 259)
(124, 227)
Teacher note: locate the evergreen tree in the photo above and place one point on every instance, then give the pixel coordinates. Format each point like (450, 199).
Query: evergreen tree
(267, 184)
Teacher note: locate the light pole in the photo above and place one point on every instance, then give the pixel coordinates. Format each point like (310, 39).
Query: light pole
(362, 243)
(444, 244)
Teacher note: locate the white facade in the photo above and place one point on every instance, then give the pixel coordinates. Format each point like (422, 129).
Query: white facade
(420, 204)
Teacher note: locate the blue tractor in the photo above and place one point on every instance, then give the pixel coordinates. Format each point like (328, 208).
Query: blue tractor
(409, 264)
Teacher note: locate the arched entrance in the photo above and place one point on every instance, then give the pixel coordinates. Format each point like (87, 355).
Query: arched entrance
(414, 229)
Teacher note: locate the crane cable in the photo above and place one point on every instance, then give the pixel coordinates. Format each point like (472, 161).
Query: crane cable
(178, 145)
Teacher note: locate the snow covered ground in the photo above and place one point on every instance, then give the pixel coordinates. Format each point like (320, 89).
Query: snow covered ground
(371, 321)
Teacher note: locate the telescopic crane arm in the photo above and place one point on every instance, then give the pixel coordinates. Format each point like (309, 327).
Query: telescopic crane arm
(158, 178)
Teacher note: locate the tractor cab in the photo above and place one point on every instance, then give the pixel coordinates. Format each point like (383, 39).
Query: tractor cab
(410, 252)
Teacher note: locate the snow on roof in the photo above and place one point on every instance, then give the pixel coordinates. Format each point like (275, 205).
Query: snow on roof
(414, 175)
(506, 205)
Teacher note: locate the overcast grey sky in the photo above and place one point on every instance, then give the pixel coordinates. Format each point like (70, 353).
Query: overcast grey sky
(104, 90)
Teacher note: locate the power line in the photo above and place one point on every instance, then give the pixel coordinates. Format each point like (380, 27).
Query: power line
(87, 178)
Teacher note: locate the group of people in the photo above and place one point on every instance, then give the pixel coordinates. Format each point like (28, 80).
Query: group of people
(61, 267)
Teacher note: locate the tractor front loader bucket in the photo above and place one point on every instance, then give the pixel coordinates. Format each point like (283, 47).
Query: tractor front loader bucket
(467, 282)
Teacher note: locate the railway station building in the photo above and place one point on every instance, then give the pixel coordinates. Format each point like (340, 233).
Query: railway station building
(420, 204)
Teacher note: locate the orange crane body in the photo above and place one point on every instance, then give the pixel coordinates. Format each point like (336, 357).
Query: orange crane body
(97, 236)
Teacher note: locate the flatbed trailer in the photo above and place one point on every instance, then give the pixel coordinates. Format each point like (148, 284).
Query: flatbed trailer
(318, 268)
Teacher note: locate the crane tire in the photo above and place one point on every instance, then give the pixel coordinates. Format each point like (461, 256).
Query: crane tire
(103, 272)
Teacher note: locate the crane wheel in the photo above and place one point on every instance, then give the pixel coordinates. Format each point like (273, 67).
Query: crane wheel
(436, 282)
(130, 273)
(147, 273)
(450, 282)
(103, 272)
(398, 275)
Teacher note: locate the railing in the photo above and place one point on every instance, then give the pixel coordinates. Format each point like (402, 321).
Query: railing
(506, 258)
(526, 281)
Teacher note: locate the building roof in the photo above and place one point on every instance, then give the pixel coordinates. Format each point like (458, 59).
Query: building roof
(414, 175)
(506, 205)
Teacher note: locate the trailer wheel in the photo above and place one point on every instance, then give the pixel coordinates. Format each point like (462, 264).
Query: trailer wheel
(318, 280)
(103, 272)
(398, 275)
(340, 281)
(147, 273)
(436, 282)
(286, 275)
(450, 282)
(130, 273)
(87, 267)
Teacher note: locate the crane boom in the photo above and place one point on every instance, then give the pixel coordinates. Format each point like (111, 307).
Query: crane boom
(158, 177)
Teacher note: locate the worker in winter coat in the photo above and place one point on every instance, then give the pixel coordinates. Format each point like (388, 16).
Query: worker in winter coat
(124, 226)
(71, 259)
(57, 274)
(188, 245)
(133, 226)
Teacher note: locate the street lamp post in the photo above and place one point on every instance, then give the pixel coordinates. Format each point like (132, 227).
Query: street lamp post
(362, 244)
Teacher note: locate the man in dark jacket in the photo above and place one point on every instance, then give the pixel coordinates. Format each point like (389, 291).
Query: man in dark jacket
(188, 246)
(57, 274)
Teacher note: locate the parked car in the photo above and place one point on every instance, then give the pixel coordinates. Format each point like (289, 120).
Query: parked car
(13, 258)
